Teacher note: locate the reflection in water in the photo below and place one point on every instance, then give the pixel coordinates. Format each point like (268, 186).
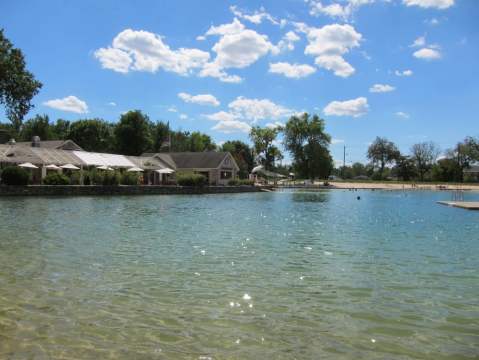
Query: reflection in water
(267, 275)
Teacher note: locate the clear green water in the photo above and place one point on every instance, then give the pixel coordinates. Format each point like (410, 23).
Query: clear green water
(392, 276)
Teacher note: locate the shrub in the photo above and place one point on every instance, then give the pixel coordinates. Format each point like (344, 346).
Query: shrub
(111, 178)
(191, 180)
(56, 179)
(129, 178)
(233, 182)
(14, 175)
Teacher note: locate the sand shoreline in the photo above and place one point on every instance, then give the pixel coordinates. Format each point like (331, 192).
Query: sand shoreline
(392, 186)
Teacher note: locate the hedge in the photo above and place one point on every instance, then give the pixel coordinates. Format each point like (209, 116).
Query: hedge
(14, 175)
(56, 179)
(191, 180)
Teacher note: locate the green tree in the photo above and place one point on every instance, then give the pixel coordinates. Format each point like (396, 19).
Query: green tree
(242, 154)
(305, 138)
(17, 85)
(92, 134)
(381, 153)
(263, 142)
(38, 126)
(405, 168)
(180, 141)
(201, 142)
(424, 156)
(61, 129)
(132, 133)
(447, 169)
(160, 133)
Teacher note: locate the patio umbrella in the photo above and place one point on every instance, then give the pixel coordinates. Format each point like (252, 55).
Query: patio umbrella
(28, 165)
(52, 167)
(165, 171)
(134, 169)
(70, 167)
(104, 167)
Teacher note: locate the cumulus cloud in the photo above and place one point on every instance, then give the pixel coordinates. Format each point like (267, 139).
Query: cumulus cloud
(232, 126)
(70, 103)
(337, 141)
(438, 4)
(183, 116)
(288, 40)
(402, 115)
(133, 50)
(275, 125)
(355, 107)
(112, 103)
(427, 53)
(381, 88)
(172, 109)
(329, 43)
(294, 71)
(200, 99)
(403, 73)
(337, 10)
(257, 109)
(256, 17)
(419, 42)
(237, 48)
(220, 116)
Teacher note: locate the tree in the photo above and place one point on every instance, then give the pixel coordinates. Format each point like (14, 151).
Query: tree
(160, 133)
(243, 156)
(17, 85)
(305, 138)
(266, 151)
(38, 126)
(92, 134)
(382, 152)
(405, 168)
(201, 142)
(424, 156)
(61, 129)
(447, 169)
(132, 133)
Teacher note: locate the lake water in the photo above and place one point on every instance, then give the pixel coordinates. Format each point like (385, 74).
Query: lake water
(287, 275)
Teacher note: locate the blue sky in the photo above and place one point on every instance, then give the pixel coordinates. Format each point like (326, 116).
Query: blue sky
(404, 69)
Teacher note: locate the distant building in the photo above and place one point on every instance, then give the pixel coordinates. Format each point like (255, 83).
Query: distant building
(158, 168)
(472, 172)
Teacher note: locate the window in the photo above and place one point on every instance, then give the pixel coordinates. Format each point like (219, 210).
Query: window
(226, 175)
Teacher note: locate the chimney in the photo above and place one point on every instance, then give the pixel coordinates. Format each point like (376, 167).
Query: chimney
(36, 141)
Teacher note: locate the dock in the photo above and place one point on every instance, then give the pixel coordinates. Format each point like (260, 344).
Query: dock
(469, 205)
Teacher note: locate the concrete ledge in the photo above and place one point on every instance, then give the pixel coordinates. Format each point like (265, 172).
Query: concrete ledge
(93, 190)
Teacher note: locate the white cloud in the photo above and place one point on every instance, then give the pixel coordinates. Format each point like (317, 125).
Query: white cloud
(294, 71)
(355, 107)
(335, 63)
(419, 42)
(336, 10)
(438, 4)
(70, 103)
(112, 103)
(337, 141)
(432, 22)
(201, 38)
(133, 50)
(200, 99)
(381, 88)
(257, 109)
(172, 109)
(183, 116)
(288, 40)
(232, 126)
(402, 115)
(427, 54)
(256, 17)
(221, 116)
(275, 125)
(329, 44)
(403, 73)
(237, 48)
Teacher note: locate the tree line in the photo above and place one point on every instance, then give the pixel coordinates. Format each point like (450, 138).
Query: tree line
(424, 162)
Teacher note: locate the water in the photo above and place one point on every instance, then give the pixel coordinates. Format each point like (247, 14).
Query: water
(289, 275)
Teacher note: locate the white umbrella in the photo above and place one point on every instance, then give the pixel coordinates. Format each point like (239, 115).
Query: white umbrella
(104, 167)
(28, 165)
(257, 168)
(165, 171)
(52, 167)
(134, 169)
(70, 167)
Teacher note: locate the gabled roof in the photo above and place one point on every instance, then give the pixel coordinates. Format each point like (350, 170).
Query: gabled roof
(53, 144)
(194, 160)
(16, 154)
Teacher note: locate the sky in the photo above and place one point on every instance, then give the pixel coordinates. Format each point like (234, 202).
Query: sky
(403, 69)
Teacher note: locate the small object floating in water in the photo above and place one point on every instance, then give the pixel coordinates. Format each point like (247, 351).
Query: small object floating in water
(237, 341)
(308, 248)
(203, 252)
(246, 297)
(301, 278)
(250, 306)
(373, 340)
(197, 274)
(359, 197)
(328, 253)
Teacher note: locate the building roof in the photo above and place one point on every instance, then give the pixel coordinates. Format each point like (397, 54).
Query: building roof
(53, 144)
(103, 159)
(19, 154)
(195, 160)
